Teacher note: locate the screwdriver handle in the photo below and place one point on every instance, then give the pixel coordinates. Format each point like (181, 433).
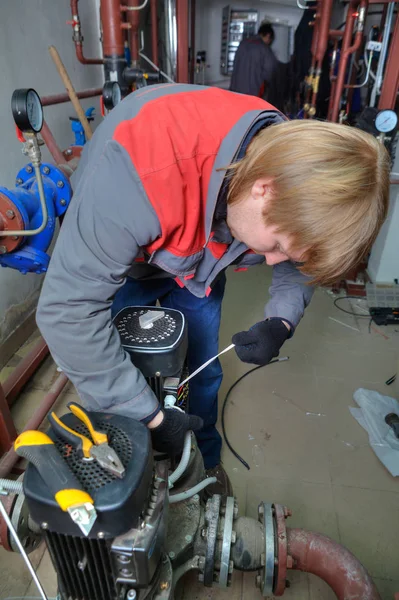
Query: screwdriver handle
(39, 449)
(98, 437)
(80, 442)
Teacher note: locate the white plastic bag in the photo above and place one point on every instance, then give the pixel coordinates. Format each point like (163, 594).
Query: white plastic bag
(371, 416)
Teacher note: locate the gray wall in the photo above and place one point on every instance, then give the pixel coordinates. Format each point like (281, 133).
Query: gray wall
(27, 28)
(209, 28)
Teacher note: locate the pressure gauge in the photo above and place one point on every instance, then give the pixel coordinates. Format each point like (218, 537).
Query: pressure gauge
(27, 110)
(386, 121)
(112, 94)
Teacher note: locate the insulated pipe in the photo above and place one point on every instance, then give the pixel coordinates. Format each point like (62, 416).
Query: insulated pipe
(78, 37)
(182, 40)
(347, 50)
(339, 568)
(11, 458)
(154, 32)
(113, 43)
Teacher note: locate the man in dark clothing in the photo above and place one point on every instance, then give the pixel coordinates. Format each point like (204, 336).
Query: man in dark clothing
(254, 63)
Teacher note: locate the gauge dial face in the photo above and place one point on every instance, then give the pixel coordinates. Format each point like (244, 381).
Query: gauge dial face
(386, 121)
(27, 110)
(112, 94)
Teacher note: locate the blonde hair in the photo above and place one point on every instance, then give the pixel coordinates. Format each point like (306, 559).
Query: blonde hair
(330, 190)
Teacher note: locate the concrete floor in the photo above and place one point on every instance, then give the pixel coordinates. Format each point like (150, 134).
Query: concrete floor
(291, 422)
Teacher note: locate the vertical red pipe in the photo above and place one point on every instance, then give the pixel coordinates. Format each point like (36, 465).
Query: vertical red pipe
(154, 32)
(133, 17)
(110, 13)
(182, 40)
(390, 84)
(192, 40)
(8, 433)
(324, 27)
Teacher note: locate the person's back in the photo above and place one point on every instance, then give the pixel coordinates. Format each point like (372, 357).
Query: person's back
(254, 63)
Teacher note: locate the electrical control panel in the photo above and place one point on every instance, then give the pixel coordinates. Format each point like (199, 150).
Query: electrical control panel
(237, 25)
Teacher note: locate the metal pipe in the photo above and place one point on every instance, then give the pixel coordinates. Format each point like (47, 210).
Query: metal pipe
(192, 41)
(384, 49)
(133, 18)
(8, 433)
(52, 145)
(61, 98)
(340, 569)
(24, 371)
(154, 32)
(11, 458)
(112, 32)
(390, 84)
(182, 40)
(78, 37)
(347, 50)
(325, 19)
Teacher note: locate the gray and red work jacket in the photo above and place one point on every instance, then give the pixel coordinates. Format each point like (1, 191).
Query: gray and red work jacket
(144, 202)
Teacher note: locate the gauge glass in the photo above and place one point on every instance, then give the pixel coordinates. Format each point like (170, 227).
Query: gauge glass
(34, 110)
(386, 121)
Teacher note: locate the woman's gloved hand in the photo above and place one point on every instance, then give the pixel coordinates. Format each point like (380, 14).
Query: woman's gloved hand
(168, 437)
(262, 342)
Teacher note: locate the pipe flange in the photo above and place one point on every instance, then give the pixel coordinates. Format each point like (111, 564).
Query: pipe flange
(267, 575)
(20, 519)
(10, 219)
(212, 514)
(280, 515)
(225, 566)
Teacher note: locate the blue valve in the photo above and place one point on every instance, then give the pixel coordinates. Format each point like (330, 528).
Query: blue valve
(77, 127)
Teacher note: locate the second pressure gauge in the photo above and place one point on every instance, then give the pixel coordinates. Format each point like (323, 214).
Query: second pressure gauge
(386, 121)
(27, 110)
(112, 94)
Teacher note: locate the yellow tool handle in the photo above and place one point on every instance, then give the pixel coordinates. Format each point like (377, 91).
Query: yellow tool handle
(39, 449)
(97, 436)
(80, 442)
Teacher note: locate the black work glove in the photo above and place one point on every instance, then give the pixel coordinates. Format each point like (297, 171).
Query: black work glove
(262, 342)
(169, 436)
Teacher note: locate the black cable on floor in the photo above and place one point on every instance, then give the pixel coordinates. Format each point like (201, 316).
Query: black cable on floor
(230, 447)
(350, 312)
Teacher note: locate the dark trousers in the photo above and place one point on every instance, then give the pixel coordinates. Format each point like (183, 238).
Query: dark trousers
(203, 321)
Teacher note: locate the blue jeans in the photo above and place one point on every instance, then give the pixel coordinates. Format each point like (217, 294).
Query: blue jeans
(203, 321)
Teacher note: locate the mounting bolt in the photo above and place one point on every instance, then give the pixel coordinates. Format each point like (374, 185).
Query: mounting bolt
(29, 169)
(46, 170)
(290, 562)
(260, 509)
(201, 562)
(263, 559)
(131, 595)
(3, 250)
(10, 214)
(63, 202)
(44, 525)
(231, 566)
(60, 184)
(172, 555)
(258, 581)
(101, 535)
(287, 512)
(203, 530)
(164, 585)
(201, 578)
(68, 153)
(18, 181)
(189, 538)
(233, 537)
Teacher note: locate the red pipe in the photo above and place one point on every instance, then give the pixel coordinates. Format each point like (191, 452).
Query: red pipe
(182, 40)
(52, 145)
(347, 50)
(8, 433)
(133, 18)
(26, 368)
(192, 40)
(322, 41)
(154, 32)
(11, 458)
(61, 98)
(78, 38)
(390, 84)
(321, 556)
(110, 12)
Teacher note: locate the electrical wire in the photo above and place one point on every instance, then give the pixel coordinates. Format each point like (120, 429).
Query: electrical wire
(349, 312)
(228, 444)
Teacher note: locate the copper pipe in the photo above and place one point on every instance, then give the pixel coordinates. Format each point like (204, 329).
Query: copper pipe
(133, 17)
(154, 32)
(61, 98)
(52, 145)
(182, 40)
(11, 458)
(26, 368)
(390, 83)
(324, 26)
(78, 38)
(192, 40)
(347, 50)
(336, 33)
(339, 568)
(8, 433)
(112, 33)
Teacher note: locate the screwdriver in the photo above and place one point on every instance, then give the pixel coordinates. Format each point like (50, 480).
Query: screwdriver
(70, 496)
